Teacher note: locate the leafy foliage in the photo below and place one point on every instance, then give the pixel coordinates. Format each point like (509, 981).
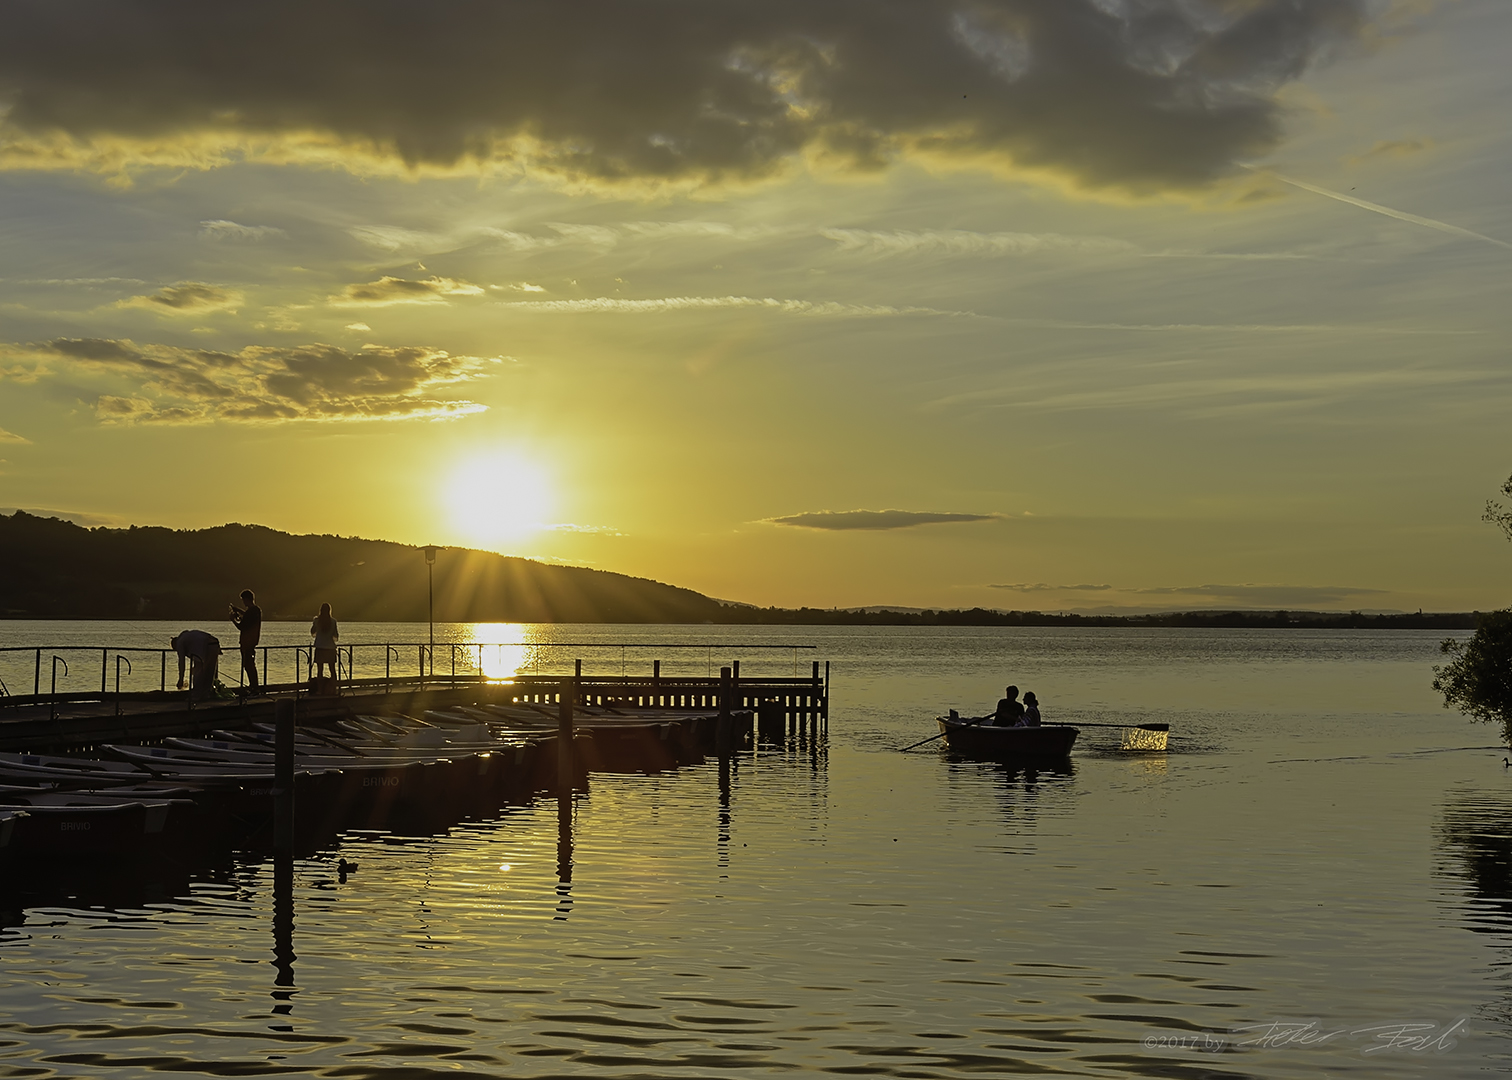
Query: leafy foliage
(1478, 681)
(1499, 515)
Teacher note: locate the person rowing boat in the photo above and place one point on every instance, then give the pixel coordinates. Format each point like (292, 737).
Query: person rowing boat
(1009, 712)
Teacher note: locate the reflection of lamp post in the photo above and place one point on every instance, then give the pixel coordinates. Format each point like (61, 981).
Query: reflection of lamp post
(430, 591)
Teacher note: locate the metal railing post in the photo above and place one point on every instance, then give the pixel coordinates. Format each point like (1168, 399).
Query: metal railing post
(119, 658)
(37, 678)
(53, 709)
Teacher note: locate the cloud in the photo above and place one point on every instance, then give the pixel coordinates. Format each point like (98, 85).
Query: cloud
(1265, 595)
(663, 304)
(1247, 595)
(960, 242)
(1392, 148)
(394, 237)
(1042, 587)
(89, 521)
(846, 520)
(169, 384)
(1146, 96)
(221, 229)
(391, 290)
(1400, 215)
(187, 298)
(12, 437)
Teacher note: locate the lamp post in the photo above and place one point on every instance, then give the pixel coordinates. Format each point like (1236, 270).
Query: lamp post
(430, 591)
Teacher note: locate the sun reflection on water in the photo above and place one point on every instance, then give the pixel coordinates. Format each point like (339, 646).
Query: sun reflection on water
(503, 652)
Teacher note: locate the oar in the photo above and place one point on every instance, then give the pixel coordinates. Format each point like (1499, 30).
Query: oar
(1135, 737)
(1141, 727)
(941, 735)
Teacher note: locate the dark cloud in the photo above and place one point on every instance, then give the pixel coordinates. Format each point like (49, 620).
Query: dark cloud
(843, 520)
(1042, 587)
(391, 290)
(221, 229)
(168, 384)
(1134, 94)
(187, 298)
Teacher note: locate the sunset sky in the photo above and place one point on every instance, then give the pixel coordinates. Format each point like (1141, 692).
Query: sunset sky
(1036, 304)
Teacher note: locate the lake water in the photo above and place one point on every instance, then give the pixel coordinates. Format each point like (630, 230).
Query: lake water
(1315, 879)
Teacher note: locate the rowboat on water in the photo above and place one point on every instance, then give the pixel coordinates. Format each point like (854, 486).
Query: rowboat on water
(980, 739)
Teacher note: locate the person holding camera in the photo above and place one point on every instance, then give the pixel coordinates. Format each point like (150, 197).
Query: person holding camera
(249, 621)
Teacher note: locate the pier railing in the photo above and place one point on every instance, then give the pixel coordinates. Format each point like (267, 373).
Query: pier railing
(127, 673)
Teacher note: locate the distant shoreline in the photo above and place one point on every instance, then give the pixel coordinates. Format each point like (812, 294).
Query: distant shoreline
(740, 616)
(55, 569)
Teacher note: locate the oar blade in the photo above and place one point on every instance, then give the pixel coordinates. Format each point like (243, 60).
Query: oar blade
(1151, 737)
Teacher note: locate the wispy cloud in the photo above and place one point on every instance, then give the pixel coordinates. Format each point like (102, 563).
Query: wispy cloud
(961, 242)
(187, 298)
(12, 437)
(847, 520)
(1224, 392)
(665, 304)
(1039, 587)
(392, 290)
(1393, 148)
(1400, 215)
(221, 229)
(169, 384)
(1246, 595)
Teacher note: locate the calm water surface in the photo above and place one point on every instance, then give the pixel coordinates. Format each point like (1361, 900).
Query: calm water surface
(1322, 853)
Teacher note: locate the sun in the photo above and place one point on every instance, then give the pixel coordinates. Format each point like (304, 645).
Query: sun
(497, 498)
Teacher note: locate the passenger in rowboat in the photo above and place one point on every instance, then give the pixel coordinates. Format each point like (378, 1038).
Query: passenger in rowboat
(1010, 712)
(1031, 710)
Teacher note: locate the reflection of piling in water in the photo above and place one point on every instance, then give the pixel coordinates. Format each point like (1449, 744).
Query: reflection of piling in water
(564, 853)
(283, 937)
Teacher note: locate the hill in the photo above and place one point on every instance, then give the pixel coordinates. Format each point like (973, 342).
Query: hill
(55, 569)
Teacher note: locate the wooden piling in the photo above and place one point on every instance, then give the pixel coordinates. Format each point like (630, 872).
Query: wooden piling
(724, 728)
(564, 736)
(283, 774)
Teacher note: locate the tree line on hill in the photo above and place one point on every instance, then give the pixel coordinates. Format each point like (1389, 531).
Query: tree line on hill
(55, 569)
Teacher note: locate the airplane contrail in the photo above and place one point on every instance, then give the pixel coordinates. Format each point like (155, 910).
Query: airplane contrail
(1400, 215)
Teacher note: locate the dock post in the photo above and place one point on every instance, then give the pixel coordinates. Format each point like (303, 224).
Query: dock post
(283, 774)
(724, 727)
(824, 705)
(656, 683)
(564, 738)
(770, 723)
(814, 704)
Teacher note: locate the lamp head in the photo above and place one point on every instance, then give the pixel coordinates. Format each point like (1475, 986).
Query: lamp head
(430, 553)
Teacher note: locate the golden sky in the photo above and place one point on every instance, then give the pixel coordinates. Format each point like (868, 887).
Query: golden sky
(1037, 304)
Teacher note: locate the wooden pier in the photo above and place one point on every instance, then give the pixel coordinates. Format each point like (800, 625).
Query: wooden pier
(784, 708)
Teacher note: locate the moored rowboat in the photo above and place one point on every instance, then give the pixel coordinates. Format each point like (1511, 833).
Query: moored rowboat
(983, 740)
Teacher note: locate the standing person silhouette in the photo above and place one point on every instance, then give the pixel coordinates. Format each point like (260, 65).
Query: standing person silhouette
(249, 621)
(326, 635)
